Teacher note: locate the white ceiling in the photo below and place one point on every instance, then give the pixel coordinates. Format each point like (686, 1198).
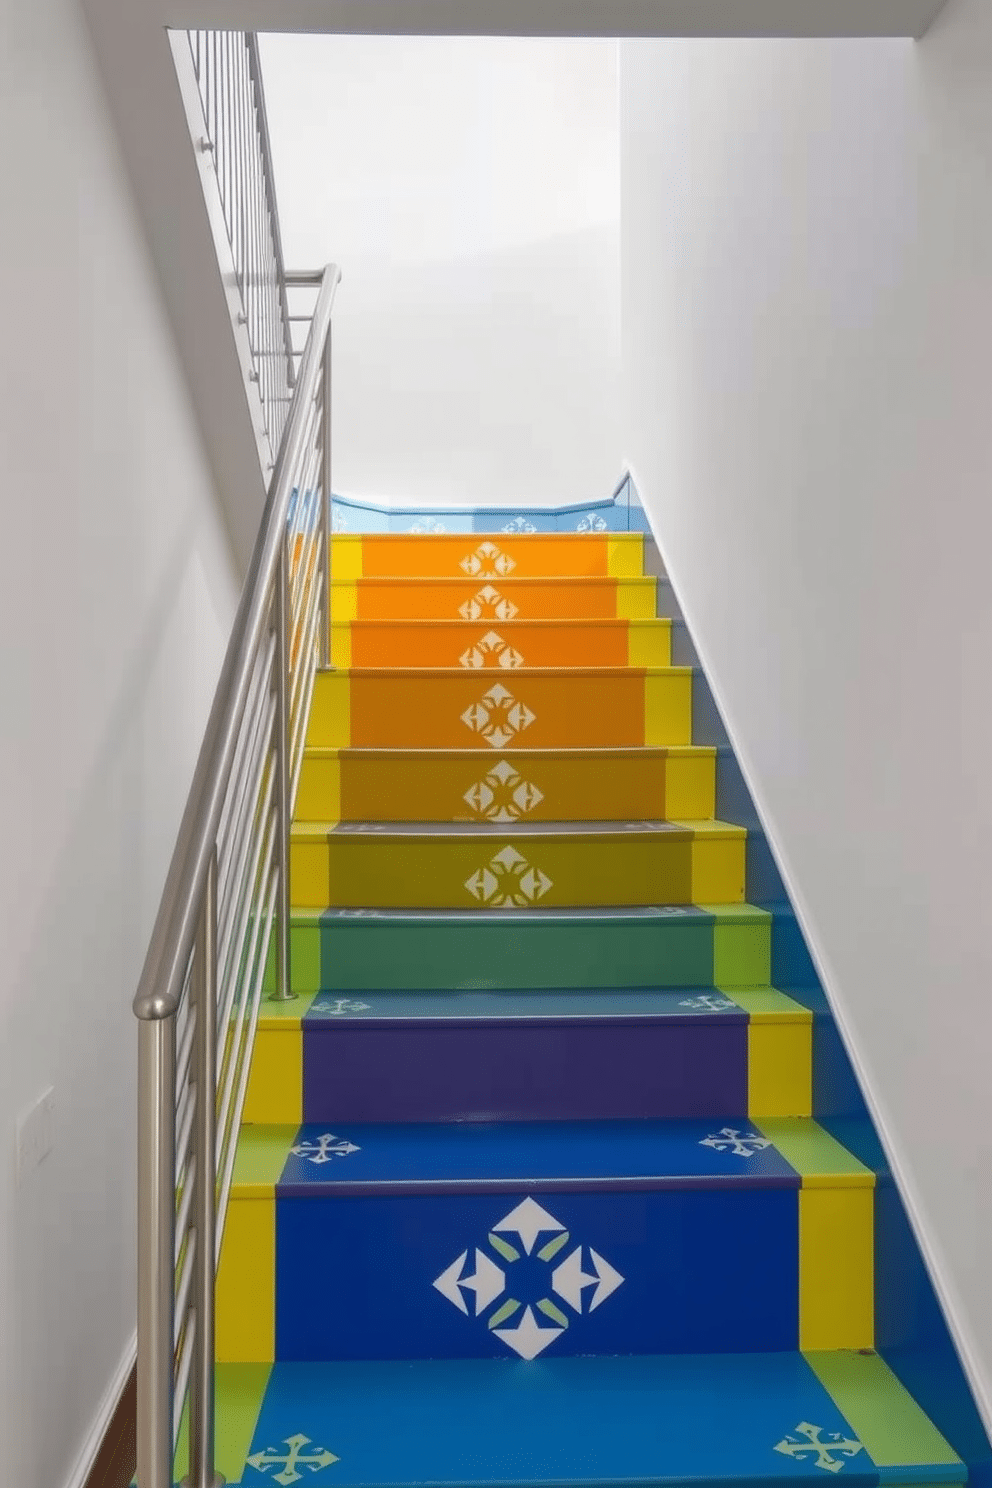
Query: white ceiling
(562, 17)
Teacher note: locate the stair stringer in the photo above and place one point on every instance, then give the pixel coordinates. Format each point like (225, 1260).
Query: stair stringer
(913, 1331)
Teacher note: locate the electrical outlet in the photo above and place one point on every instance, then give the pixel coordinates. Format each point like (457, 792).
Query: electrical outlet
(35, 1135)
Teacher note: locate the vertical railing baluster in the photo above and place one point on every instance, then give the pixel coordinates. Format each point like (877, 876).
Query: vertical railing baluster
(325, 503)
(204, 997)
(281, 682)
(156, 1248)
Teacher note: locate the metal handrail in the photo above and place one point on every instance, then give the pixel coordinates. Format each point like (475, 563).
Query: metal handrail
(226, 893)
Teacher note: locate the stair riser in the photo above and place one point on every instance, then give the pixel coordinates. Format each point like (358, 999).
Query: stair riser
(525, 1073)
(453, 556)
(483, 786)
(459, 709)
(499, 647)
(683, 1289)
(353, 871)
(671, 950)
(470, 599)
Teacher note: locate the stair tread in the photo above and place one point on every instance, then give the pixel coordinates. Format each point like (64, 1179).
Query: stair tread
(511, 580)
(489, 830)
(728, 913)
(645, 1005)
(650, 1419)
(540, 1155)
(613, 754)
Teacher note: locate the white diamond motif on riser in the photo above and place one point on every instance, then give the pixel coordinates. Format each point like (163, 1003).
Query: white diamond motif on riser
(503, 795)
(488, 562)
(498, 717)
(508, 882)
(523, 1327)
(491, 650)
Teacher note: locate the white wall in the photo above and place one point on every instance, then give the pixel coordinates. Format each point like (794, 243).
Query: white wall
(807, 310)
(116, 594)
(469, 190)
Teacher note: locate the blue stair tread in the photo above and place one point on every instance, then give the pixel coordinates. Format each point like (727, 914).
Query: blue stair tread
(696, 1419)
(572, 1155)
(583, 1006)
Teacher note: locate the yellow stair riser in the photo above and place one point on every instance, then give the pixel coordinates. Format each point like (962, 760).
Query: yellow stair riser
(481, 556)
(836, 1266)
(460, 709)
(476, 785)
(574, 598)
(373, 871)
(501, 646)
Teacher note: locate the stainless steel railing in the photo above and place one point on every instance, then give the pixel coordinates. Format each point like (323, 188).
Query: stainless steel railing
(225, 903)
(229, 80)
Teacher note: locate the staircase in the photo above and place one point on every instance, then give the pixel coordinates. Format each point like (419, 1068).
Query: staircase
(529, 1188)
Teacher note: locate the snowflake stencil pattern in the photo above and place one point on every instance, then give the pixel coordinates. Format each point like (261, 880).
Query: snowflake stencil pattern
(498, 717)
(508, 881)
(830, 1447)
(740, 1143)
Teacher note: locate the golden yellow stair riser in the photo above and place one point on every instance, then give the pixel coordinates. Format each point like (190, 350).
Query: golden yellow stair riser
(527, 599)
(454, 708)
(355, 870)
(499, 646)
(246, 1279)
(481, 556)
(477, 785)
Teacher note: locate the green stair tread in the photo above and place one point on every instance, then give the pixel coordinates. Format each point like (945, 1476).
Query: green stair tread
(767, 1003)
(239, 1390)
(261, 1155)
(812, 1151)
(885, 1417)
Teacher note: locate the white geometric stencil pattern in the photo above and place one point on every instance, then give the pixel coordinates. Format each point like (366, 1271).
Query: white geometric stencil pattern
(740, 1143)
(591, 524)
(503, 795)
(509, 881)
(491, 650)
(519, 524)
(830, 1447)
(326, 1148)
(526, 1224)
(488, 599)
(488, 562)
(707, 1002)
(498, 717)
(428, 524)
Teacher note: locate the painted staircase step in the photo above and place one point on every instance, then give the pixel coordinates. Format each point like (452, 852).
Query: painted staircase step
(501, 645)
(541, 708)
(525, 1056)
(460, 555)
(478, 785)
(538, 1224)
(569, 597)
(426, 865)
(709, 1420)
(346, 950)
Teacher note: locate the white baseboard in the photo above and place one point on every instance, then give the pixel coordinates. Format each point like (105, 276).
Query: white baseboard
(104, 1416)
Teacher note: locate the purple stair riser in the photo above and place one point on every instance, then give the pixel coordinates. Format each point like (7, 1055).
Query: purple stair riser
(519, 1073)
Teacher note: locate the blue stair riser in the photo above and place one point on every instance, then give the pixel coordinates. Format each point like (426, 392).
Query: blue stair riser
(691, 1067)
(624, 1272)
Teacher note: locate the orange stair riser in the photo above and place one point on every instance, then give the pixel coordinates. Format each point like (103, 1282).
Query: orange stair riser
(477, 557)
(509, 599)
(460, 709)
(502, 646)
